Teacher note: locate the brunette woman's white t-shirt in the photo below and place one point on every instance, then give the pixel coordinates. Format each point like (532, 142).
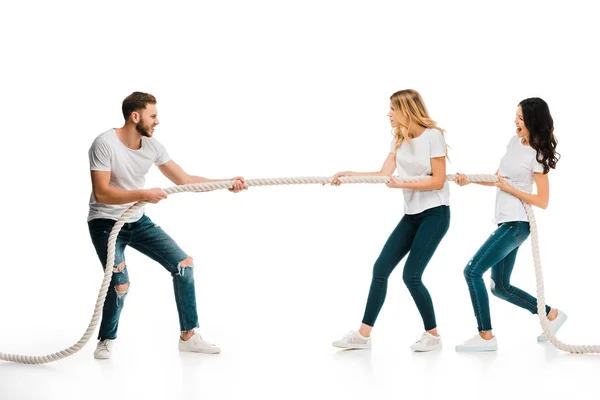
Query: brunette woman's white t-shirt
(518, 165)
(413, 158)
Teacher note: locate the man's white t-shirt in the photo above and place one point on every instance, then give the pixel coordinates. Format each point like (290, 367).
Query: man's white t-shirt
(414, 159)
(518, 165)
(128, 169)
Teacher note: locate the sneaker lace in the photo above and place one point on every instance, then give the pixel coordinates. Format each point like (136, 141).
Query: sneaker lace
(424, 338)
(198, 339)
(350, 334)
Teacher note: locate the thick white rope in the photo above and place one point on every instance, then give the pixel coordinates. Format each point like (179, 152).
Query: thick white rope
(210, 186)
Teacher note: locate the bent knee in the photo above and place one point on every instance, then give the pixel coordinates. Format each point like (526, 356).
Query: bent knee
(121, 290)
(123, 287)
(471, 271)
(412, 281)
(379, 279)
(497, 291)
(186, 264)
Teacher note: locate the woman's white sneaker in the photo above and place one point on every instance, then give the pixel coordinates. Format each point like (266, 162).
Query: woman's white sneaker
(198, 345)
(554, 326)
(477, 343)
(428, 342)
(353, 340)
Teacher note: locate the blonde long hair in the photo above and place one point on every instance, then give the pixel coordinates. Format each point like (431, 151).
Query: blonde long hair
(409, 108)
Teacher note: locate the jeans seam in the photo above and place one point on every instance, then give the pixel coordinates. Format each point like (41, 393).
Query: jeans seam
(421, 261)
(158, 255)
(476, 307)
(380, 301)
(474, 263)
(510, 292)
(178, 303)
(487, 250)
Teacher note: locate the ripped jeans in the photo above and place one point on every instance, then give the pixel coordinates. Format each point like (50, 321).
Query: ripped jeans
(150, 240)
(499, 253)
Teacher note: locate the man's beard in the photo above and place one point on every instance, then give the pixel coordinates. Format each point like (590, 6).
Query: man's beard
(143, 130)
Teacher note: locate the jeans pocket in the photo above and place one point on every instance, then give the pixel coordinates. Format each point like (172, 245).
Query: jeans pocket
(100, 226)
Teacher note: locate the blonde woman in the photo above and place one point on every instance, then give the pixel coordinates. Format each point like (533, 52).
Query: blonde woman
(418, 148)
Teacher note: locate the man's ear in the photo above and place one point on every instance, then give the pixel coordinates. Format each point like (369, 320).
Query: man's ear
(135, 117)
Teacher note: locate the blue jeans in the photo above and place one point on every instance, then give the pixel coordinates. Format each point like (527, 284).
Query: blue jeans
(417, 235)
(150, 240)
(499, 253)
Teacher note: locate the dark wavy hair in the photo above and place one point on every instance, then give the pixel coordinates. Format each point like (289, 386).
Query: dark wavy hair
(540, 125)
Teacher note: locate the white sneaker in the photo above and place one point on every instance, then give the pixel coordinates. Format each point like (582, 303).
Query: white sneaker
(554, 326)
(477, 343)
(353, 340)
(103, 349)
(198, 345)
(428, 342)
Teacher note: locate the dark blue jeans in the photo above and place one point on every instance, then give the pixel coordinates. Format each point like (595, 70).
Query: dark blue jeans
(499, 253)
(149, 239)
(420, 234)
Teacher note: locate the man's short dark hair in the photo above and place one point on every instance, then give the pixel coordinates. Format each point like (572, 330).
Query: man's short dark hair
(136, 101)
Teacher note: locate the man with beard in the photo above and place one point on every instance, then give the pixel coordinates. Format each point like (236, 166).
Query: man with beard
(119, 161)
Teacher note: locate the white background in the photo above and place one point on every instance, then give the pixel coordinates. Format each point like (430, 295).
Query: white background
(274, 89)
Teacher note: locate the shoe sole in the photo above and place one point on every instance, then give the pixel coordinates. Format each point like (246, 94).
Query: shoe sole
(355, 347)
(201, 352)
(542, 338)
(439, 346)
(475, 349)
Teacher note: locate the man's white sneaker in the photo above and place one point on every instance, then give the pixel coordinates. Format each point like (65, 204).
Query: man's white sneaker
(477, 343)
(428, 342)
(353, 340)
(103, 349)
(554, 326)
(198, 345)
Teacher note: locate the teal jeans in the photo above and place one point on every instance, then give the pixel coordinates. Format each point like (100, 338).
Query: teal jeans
(418, 236)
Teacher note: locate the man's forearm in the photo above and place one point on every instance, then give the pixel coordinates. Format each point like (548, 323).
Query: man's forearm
(200, 179)
(119, 196)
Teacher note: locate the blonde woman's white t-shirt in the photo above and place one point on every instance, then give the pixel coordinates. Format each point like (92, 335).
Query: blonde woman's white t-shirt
(518, 165)
(413, 158)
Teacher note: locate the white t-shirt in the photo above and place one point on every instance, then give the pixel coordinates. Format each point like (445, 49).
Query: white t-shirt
(518, 165)
(128, 169)
(414, 159)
